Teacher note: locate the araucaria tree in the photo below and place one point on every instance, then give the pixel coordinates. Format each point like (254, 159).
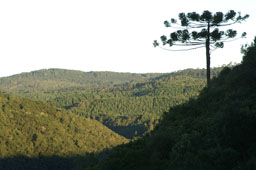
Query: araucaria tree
(197, 31)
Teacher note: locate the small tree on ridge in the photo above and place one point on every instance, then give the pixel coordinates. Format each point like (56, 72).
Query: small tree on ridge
(197, 31)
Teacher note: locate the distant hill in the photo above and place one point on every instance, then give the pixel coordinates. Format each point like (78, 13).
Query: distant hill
(130, 104)
(215, 131)
(36, 129)
(55, 79)
(48, 80)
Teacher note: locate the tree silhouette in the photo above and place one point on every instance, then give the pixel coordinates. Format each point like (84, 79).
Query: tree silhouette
(197, 31)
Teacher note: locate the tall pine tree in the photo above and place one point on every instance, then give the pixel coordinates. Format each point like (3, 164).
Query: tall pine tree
(197, 31)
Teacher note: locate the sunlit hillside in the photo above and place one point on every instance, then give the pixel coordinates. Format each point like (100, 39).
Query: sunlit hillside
(33, 129)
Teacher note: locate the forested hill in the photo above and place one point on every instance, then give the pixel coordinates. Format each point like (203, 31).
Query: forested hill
(55, 79)
(215, 131)
(33, 129)
(129, 104)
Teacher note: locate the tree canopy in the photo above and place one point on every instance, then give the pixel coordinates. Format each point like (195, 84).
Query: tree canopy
(201, 30)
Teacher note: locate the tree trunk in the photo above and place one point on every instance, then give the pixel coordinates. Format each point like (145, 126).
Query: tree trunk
(207, 45)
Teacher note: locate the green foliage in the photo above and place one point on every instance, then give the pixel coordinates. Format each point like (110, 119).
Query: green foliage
(130, 108)
(56, 79)
(214, 131)
(197, 31)
(35, 129)
(193, 21)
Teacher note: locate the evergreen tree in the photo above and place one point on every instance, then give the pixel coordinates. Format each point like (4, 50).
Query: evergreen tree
(208, 36)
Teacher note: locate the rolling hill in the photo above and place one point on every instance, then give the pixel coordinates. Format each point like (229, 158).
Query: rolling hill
(34, 129)
(129, 104)
(56, 79)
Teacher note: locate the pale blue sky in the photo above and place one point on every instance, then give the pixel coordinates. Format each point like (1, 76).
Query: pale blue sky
(105, 35)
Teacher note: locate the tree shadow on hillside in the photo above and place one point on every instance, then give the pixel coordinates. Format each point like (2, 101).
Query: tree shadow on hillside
(40, 163)
(130, 131)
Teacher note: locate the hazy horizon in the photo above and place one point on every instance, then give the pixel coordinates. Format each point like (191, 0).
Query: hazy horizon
(106, 35)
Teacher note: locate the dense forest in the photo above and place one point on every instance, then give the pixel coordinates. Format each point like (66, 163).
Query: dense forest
(34, 129)
(216, 130)
(52, 119)
(129, 104)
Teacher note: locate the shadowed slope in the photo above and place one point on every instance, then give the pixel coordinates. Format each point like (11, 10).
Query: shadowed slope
(216, 131)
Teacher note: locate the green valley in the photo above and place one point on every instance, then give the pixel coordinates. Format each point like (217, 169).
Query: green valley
(175, 122)
(130, 104)
(101, 85)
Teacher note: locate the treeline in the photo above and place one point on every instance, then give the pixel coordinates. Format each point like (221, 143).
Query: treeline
(55, 79)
